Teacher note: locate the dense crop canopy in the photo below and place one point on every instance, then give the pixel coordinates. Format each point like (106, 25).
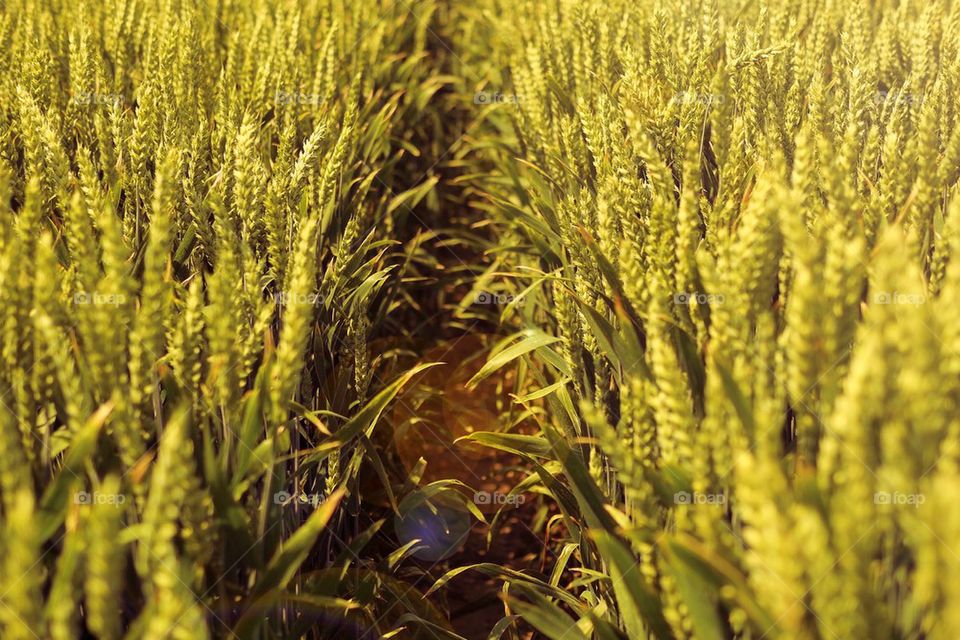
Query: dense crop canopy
(280, 281)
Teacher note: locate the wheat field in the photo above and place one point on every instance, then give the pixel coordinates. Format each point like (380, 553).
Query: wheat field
(564, 319)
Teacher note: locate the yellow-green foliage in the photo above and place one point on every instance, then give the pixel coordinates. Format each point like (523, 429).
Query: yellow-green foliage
(761, 199)
(192, 198)
(732, 229)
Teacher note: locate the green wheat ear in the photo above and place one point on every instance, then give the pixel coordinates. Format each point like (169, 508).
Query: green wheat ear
(21, 545)
(105, 562)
